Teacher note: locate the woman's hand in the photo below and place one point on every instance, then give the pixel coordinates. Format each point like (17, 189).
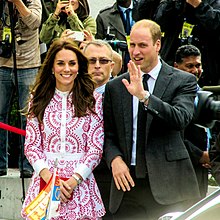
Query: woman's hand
(45, 174)
(61, 5)
(69, 9)
(66, 189)
(88, 35)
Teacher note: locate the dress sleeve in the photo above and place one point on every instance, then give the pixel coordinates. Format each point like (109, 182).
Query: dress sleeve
(33, 147)
(95, 139)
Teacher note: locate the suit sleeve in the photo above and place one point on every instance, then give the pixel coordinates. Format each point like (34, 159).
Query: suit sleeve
(175, 109)
(110, 140)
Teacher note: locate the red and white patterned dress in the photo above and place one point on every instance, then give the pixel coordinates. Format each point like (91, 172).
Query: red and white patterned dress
(77, 143)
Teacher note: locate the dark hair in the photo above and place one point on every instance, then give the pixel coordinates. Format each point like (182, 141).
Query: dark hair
(44, 87)
(186, 51)
(83, 10)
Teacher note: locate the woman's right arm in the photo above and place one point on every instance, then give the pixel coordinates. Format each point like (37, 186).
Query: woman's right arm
(33, 147)
(48, 29)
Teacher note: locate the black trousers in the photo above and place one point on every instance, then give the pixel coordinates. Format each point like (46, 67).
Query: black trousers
(139, 203)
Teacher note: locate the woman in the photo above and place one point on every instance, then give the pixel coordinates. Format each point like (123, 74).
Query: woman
(65, 122)
(72, 14)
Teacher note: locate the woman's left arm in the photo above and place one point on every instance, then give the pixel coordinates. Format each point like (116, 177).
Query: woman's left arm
(77, 25)
(95, 140)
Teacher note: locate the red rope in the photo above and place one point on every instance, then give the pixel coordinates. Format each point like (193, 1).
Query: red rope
(12, 129)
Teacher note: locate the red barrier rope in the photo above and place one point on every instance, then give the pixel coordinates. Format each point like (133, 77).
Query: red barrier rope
(12, 129)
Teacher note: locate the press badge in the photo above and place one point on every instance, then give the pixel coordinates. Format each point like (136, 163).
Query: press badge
(128, 41)
(186, 30)
(6, 34)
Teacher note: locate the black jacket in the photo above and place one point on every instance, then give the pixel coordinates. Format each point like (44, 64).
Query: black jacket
(205, 34)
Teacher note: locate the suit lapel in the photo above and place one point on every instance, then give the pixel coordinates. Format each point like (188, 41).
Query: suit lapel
(162, 81)
(117, 23)
(161, 85)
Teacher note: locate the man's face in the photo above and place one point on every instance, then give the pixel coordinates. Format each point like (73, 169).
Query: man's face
(100, 63)
(123, 1)
(191, 64)
(142, 50)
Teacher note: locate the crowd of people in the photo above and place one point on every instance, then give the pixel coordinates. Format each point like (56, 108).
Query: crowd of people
(116, 108)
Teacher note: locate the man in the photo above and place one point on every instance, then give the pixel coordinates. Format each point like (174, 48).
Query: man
(152, 172)
(116, 21)
(112, 20)
(100, 56)
(197, 138)
(192, 22)
(188, 58)
(28, 20)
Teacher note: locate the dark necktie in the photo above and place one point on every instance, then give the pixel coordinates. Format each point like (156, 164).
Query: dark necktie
(127, 21)
(140, 169)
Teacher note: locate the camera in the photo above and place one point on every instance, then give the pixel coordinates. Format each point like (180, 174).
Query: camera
(207, 110)
(116, 44)
(6, 47)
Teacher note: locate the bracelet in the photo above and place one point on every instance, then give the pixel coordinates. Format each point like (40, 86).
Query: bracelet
(78, 179)
(146, 97)
(56, 16)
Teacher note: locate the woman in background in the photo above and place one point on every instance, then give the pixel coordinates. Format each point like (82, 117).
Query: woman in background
(72, 14)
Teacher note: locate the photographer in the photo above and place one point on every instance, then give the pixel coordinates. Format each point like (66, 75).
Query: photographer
(73, 15)
(27, 15)
(192, 22)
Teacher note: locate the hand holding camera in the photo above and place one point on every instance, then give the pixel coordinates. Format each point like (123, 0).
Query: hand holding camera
(61, 5)
(194, 3)
(75, 35)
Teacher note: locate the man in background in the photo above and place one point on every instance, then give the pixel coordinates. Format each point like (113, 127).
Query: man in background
(116, 22)
(197, 138)
(100, 55)
(28, 19)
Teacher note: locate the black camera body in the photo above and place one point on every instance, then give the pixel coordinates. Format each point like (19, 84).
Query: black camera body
(207, 110)
(5, 47)
(116, 44)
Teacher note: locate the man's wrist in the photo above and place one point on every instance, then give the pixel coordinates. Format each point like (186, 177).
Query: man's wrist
(146, 96)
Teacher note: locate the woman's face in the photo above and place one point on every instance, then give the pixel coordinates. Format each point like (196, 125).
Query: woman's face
(75, 4)
(65, 68)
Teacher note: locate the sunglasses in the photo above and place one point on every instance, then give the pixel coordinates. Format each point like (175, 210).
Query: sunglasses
(101, 61)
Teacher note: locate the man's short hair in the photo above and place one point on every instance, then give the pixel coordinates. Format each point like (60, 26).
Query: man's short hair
(99, 43)
(186, 51)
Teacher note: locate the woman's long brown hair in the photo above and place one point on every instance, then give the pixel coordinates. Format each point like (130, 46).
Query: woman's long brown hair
(44, 87)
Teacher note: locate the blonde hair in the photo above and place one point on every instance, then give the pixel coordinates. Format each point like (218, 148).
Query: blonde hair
(152, 26)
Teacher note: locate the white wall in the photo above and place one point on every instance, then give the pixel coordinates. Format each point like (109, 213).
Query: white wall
(97, 5)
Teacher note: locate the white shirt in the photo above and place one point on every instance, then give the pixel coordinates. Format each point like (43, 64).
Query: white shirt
(151, 83)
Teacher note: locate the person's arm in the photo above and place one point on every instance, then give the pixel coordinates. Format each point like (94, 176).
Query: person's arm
(33, 149)
(50, 29)
(114, 157)
(177, 111)
(30, 14)
(77, 25)
(207, 15)
(22, 9)
(47, 31)
(166, 14)
(95, 139)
